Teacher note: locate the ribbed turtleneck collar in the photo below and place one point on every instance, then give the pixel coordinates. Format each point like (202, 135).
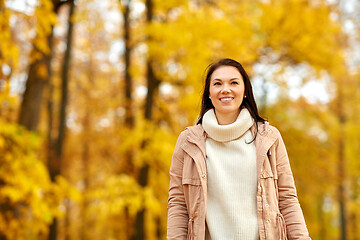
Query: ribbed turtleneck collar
(229, 132)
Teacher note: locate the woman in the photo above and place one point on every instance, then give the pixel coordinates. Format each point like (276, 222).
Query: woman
(230, 176)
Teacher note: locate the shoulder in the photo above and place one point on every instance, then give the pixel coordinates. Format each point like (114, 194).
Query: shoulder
(182, 137)
(195, 130)
(265, 129)
(194, 134)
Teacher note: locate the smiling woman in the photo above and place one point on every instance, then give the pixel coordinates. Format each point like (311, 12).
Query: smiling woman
(230, 176)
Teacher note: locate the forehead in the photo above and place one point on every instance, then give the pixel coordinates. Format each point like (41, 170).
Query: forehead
(226, 72)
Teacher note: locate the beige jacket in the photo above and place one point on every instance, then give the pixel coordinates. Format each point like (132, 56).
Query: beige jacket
(277, 202)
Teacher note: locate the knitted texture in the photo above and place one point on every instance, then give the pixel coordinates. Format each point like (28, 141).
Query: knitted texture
(232, 179)
(229, 132)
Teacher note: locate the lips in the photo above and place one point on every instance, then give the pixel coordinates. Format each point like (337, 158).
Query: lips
(226, 99)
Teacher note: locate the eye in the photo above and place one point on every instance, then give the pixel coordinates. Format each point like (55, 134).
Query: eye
(234, 83)
(217, 83)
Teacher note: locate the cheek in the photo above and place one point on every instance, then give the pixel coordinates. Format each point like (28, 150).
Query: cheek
(241, 91)
(212, 92)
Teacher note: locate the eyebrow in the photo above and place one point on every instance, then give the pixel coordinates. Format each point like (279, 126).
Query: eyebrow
(218, 79)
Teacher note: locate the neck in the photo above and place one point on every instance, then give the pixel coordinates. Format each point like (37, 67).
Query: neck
(226, 118)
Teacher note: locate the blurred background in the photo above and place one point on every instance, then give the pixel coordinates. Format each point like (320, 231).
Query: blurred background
(93, 95)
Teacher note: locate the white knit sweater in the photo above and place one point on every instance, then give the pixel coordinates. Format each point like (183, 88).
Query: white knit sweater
(232, 179)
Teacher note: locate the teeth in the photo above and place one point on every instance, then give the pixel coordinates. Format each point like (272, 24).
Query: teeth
(226, 99)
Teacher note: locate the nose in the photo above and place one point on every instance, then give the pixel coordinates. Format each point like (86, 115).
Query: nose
(225, 90)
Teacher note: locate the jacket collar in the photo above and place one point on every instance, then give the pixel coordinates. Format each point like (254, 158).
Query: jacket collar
(265, 138)
(196, 135)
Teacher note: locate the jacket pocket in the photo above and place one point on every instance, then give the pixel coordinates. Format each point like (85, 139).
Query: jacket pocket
(266, 174)
(281, 227)
(192, 192)
(191, 181)
(269, 192)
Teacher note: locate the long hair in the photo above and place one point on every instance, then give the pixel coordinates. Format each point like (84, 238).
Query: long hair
(248, 102)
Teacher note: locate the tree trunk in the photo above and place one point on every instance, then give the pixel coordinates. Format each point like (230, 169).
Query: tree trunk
(50, 135)
(50, 148)
(55, 166)
(152, 88)
(341, 163)
(38, 78)
(129, 167)
(65, 85)
(129, 118)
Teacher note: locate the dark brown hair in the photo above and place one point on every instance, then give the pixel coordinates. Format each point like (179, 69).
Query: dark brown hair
(248, 102)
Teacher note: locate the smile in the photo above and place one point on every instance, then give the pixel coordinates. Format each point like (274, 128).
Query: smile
(227, 99)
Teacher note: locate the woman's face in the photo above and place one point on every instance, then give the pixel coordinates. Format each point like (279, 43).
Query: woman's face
(226, 91)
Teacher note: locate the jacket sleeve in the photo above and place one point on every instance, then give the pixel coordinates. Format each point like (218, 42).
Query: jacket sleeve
(177, 211)
(288, 201)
